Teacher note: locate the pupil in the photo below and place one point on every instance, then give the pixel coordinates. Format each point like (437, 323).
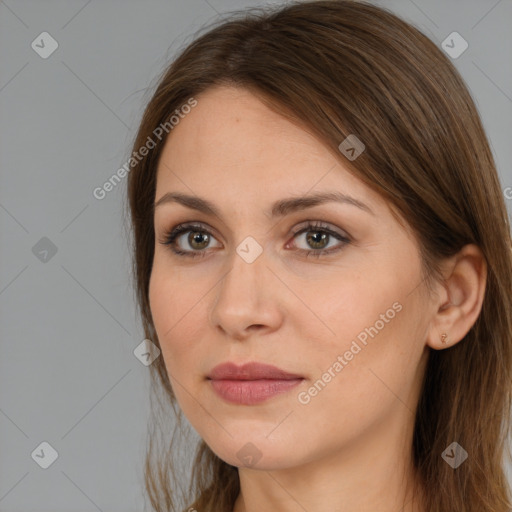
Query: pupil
(322, 236)
(196, 237)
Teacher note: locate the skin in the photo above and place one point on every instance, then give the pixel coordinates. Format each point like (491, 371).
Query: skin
(348, 448)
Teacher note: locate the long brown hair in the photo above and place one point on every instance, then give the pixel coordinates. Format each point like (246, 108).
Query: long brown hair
(348, 67)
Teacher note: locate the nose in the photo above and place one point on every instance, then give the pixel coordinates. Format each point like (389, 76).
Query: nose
(247, 299)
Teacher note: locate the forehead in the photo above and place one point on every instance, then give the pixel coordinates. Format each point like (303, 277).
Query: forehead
(231, 141)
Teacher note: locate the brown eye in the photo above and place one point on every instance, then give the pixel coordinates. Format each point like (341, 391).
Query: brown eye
(198, 240)
(193, 245)
(317, 238)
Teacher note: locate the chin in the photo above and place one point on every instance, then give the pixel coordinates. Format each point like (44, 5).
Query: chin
(256, 452)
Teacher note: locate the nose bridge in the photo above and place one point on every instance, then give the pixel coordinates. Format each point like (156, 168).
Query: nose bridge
(245, 281)
(242, 296)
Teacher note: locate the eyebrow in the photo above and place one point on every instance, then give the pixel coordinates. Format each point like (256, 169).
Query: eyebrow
(280, 208)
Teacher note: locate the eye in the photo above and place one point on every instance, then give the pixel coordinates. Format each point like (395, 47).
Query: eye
(318, 235)
(198, 238)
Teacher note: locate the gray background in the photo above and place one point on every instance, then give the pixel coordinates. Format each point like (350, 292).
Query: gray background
(68, 326)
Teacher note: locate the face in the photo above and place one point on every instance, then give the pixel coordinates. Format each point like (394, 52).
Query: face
(330, 293)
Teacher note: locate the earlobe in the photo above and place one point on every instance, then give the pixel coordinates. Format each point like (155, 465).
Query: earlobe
(460, 304)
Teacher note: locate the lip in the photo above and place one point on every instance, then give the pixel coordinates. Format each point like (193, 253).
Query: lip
(251, 383)
(250, 371)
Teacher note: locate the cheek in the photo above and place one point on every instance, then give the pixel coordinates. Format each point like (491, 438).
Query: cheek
(173, 314)
(342, 308)
(357, 384)
(372, 323)
(175, 308)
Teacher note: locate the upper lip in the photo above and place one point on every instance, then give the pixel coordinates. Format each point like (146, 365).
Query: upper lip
(250, 371)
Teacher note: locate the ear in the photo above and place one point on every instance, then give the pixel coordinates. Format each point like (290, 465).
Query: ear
(460, 297)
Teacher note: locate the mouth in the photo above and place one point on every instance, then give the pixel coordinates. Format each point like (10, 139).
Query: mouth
(251, 383)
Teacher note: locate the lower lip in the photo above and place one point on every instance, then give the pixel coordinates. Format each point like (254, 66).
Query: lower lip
(249, 392)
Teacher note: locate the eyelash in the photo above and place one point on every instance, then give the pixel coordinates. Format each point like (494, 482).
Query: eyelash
(170, 239)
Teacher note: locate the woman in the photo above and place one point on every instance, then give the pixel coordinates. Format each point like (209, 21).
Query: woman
(323, 256)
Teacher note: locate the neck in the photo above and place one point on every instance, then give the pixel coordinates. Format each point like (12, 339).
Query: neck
(366, 476)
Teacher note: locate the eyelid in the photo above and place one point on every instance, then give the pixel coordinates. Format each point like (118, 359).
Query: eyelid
(320, 225)
(189, 225)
